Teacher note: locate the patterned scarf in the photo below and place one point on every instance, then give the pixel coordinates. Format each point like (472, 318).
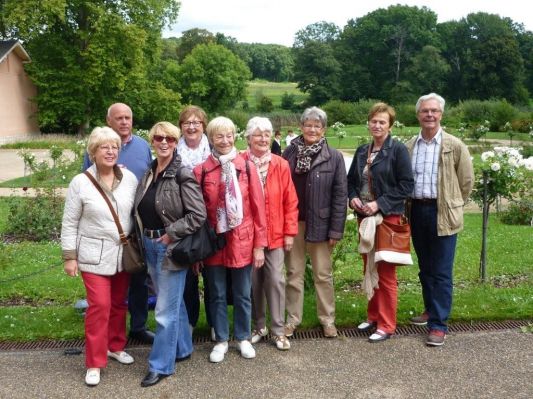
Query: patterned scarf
(191, 157)
(306, 153)
(229, 208)
(261, 163)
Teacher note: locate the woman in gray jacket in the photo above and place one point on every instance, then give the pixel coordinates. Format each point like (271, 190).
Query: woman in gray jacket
(91, 244)
(168, 206)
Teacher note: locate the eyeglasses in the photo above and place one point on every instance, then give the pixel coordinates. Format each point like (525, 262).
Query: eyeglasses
(191, 123)
(309, 127)
(107, 148)
(262, 135)
(428, 111)
(159, 139)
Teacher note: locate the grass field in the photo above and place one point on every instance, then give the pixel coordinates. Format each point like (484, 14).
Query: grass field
(272, 90)
(37, 298)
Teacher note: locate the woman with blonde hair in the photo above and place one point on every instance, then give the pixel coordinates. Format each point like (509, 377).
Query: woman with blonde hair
(168, 206)
(91, 245)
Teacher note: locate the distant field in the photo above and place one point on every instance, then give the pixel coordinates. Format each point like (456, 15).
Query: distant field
(272, 90)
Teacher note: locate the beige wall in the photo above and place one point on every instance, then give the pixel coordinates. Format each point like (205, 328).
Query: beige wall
(17, 112)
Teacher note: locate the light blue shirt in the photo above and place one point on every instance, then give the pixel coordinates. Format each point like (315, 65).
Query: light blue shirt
(425, 162)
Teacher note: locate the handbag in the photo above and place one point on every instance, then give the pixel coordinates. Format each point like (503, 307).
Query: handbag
(132, 260)
(392, 241)
(199, 245)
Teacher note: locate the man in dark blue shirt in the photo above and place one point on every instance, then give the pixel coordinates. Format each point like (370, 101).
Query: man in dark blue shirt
(136, 156)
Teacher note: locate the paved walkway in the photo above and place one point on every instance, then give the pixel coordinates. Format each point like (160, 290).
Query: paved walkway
(470, 365)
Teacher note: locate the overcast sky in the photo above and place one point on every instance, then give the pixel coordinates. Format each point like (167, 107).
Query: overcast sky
(276, 21)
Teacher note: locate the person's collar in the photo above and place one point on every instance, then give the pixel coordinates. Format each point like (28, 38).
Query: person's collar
(128, 140)
(437, 138)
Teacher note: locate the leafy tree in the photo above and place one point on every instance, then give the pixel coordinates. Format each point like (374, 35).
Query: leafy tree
(87, 54)
(192, 38)
(428, 71)
(323, 32)
(265, 104)
(213, 77)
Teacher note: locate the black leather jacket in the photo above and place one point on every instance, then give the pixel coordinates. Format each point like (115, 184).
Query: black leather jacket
(392, 176)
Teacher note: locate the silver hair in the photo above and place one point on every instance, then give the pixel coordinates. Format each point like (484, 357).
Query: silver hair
(430, 96)
(114, 105)
(314, 114)
(258, 123)
(99, 136)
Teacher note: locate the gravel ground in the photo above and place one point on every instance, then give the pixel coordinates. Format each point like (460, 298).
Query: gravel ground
(470, 365)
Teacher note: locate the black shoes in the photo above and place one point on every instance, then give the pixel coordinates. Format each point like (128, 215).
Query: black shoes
(145, 336)
(152, 378)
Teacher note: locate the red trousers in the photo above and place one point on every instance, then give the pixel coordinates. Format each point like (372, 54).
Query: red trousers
(105, 318)
(383, 305)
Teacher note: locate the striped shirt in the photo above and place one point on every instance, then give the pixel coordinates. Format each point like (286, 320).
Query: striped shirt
(425, 162)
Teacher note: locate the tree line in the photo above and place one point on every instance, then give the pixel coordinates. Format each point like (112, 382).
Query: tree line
(87, 54)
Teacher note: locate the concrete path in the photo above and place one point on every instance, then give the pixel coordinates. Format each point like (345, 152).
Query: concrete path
(470, 365)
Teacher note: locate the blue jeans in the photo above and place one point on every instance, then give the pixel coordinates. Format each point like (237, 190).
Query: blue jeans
(242, 303)
(435, 261)
(173, 338)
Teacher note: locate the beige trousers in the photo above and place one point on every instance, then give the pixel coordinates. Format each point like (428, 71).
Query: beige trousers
(269, 282)
(320, 254)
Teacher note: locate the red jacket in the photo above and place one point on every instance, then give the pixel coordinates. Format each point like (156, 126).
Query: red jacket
(281, 202)
(251, 233)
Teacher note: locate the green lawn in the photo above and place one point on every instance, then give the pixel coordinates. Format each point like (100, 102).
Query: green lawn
(272, 90)
(37, 298)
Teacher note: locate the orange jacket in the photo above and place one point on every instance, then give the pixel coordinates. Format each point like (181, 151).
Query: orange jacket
(251, 233)
(281, 202)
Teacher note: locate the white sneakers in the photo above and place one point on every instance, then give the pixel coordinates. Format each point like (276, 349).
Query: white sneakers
(246, 348)
(92, 377)
(218, 352)
(121, 357)
(257, 335)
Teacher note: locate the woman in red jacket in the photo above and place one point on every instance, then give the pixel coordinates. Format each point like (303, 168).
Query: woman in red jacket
(236, 208)
(281, 206)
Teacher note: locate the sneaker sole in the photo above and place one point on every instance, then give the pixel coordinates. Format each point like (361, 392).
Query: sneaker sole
(419, 323)
(434, 343)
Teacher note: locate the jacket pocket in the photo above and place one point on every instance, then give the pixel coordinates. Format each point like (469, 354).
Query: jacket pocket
(90, 250)
(324, 213)
(455, 213)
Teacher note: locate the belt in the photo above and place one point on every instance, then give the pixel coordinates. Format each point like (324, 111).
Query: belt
(154, 233)
(429, 201)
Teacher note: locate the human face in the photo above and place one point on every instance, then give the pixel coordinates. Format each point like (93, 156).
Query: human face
(106, 155)
(429, 116)
(223, 141)
(313, 131)
(120, 120)
(192, 130)
(259, 142)
(379, 126)
(164, 149)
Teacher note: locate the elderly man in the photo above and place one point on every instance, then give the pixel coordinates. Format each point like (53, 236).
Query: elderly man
(443, 174)
(136, 156)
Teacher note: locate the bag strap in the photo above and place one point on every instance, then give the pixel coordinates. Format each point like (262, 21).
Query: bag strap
(369, 173)
(123, 238)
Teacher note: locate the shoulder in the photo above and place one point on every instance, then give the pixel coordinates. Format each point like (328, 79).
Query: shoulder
(139, 141)
(128, 175)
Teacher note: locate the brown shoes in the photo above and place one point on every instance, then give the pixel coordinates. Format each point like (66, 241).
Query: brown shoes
(330, 331)
(436, 338)
(289, 329)
(420, 320)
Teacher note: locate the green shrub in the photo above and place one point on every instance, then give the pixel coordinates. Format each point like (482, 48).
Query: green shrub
(239, 118)
(522, 125)
(406, 114)
(347, 112)
(265, 104)
(288, 101)
(35, 218)
(519, 213)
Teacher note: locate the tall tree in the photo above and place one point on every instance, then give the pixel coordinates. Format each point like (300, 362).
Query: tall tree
(87, 54)
(192, 38)
(213, 77)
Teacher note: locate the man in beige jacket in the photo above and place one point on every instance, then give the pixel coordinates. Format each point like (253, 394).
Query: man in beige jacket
(443, 174)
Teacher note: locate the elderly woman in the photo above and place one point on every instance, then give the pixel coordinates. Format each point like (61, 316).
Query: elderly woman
(379, 181)
(168, 206)
(193, 148)
(319, 175)
(281, 206)
(235, 208)
(91, 245)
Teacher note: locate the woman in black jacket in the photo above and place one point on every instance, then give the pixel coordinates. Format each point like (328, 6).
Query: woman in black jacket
(379, 181)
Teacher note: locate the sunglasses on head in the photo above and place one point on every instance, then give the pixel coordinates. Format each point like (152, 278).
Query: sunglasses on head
(169, 139)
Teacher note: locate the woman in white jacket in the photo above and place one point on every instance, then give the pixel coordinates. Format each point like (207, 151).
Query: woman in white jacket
(91, 245)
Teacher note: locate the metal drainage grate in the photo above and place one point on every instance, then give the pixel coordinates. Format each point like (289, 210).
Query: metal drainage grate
(314, 333)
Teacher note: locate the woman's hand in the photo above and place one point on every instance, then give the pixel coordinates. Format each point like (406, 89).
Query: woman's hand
(259, 257)
(332, 242)
(371, 208)
(288, 243)
(356, 204)
(71, 267)
(165, 239)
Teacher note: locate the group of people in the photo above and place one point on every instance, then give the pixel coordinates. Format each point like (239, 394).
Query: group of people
(273, 211)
